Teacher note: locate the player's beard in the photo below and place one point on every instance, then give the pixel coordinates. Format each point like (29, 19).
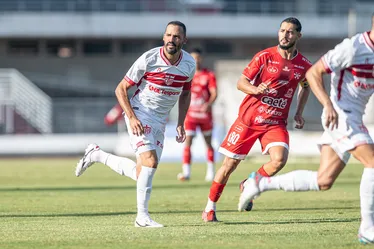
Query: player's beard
(174, 50)
(285, 47)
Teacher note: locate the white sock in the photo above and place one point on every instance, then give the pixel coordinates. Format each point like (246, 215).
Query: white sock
(210, 205)
(121, 165)
(210, 169)
(367, 199)
(144, 189)
(298, 180)
(186, 169)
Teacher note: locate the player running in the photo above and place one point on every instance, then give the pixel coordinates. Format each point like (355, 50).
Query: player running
(163, 76)
(351, 64)
(270, 81)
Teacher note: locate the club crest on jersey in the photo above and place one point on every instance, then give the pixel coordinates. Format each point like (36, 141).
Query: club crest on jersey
(272, 69)
(169, 79)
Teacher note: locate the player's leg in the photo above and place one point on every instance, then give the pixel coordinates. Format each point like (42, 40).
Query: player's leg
(149, 155)
(190, 128)
(365, 154)
(122, 165)
(235, 147)
(331, 165)
(206, 129)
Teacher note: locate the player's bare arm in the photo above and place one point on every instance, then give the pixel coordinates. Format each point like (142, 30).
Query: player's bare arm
(245, 86)
(123, 100)
(314, 77)
(302, 98)
(184, 103)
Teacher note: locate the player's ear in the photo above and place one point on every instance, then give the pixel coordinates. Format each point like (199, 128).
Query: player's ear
(185, 40)
(300, 35)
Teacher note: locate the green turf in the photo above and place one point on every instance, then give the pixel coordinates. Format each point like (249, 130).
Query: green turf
(43, 205)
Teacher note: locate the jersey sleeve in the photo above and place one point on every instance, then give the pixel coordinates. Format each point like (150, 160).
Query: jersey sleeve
(212, 81)
(137, 70)
(255, 66)
(187, 85)
(340, 57)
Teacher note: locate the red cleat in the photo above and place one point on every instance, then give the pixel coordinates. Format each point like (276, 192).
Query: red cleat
(209, 216)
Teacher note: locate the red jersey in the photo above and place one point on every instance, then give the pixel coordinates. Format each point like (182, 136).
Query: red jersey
(283, 77)
(201, 83)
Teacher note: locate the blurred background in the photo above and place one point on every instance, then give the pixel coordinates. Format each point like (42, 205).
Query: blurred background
(61, 60)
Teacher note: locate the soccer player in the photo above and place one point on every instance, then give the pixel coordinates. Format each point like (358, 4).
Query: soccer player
(351, 64)
(163, 76)
(203, 95)
(270, 81)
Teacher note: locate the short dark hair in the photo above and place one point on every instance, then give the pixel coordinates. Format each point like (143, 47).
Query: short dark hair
(180, 24)
(197, 51)
(294, 21)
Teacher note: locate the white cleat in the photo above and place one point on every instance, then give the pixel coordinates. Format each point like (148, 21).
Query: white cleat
(250, 192)
(147, 222)
(86, 161)
(367, 236)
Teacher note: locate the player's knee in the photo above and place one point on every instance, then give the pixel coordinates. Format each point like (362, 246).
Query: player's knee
(230, 164)
(278, 161)
(150, 160)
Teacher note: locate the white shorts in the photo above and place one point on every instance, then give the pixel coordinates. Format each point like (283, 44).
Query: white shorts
(351, 133)
(152, 139)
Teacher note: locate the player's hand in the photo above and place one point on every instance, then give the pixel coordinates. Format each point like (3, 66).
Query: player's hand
(331, 116)
(136, 126)
(205, 107)
(181, 134)
(262, 88)
(300, 121)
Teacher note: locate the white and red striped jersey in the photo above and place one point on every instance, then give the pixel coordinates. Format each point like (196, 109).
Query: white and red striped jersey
(351, 64)
(159, 82)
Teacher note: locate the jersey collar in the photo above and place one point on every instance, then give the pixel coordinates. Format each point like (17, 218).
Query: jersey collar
(166, 60)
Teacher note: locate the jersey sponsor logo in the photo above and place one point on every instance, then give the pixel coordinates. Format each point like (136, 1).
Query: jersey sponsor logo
(363, 86)
(262, 120)
(147, 129)
(272, 69)
(162, 91)
(274, 102)
(283, 82)
(262, 109)
(289, 93)
(300, 67)
(273, 62)
(286, 69)
(297, 75)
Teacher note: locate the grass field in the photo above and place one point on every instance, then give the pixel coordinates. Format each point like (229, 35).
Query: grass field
(43, 205)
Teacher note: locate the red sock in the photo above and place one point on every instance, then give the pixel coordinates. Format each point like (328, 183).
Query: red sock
(262, 172)
(187, 155)
(216, 191)
(210, 155)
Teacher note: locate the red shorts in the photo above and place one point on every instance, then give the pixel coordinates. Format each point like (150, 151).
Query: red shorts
(206, 126)
(240, 139)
